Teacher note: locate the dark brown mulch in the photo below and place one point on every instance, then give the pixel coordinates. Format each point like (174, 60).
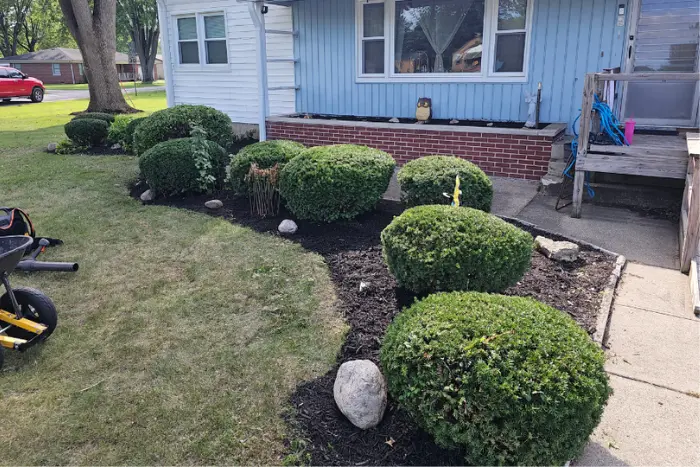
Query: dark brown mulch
(353, 253)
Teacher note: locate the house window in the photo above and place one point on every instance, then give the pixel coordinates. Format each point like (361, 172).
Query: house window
(187, 40)
(56, 69)
(215, 39)
(80, 69)
(443, 40)
(17, 66)
(202, 35)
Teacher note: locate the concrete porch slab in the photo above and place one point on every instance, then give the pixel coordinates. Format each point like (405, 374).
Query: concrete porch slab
(656, 348)
(645, 425)
(655, 289)
(510, 195)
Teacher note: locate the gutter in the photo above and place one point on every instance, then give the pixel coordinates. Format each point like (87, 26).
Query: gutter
(167, 56)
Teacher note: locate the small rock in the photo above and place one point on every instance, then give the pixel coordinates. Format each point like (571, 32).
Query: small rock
(214, 204)
(394, 120)
(360, 393)
(52, 147)
(364, 286)
(454, 122)
(557, 251)
(116, 146)
(288, 227)
(147, 195)
(489, 124)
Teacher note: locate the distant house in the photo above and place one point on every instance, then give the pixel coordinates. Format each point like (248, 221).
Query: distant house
(65, 66)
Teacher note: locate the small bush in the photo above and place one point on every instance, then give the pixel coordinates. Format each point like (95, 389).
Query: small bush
(425, 180)
(129, 133)
(66, 146)
(328, 183)
(265, 154)
(87, 131)
(117, 132)
(508, 379)
(176, 122)
(109, 118)
(442, 248)
(172, 167)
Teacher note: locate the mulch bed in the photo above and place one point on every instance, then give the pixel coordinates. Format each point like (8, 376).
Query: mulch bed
(353, 253)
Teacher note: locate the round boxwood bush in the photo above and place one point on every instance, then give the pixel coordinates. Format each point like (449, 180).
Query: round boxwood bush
(265, 154)
(176, 122)
(129, 133)
(509, 380)
(425, 180)
(170, 167)
(328, 183)
(442, 248)
(109, 118)
(87, 131)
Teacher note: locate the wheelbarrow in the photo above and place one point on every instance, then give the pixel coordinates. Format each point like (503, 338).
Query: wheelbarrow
(27, 316)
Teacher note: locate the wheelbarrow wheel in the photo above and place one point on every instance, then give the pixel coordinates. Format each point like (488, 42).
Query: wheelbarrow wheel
(36, 307)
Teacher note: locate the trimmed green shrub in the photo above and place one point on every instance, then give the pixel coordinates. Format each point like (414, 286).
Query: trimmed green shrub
(508, 379)
(172, 167)
(442, 248)
(109, 118)
(328, 183)
(266, 154)
(117, 132)
(87, 131)
(425, 180)
(176, 122)
(67, 146)
(129, 133)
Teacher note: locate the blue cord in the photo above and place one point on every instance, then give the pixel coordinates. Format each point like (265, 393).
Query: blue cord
(609, 124)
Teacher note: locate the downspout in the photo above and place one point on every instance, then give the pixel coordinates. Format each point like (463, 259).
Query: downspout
(258, 16)
(167, 55)
(72, 73)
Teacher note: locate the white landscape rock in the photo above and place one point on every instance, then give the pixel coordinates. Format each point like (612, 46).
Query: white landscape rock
(116, 146)
(360, 393)
(147, 195)
(364, 286)
(394, 120)
(52, 147)
(214, 204)
(288, 227)
(557, 251)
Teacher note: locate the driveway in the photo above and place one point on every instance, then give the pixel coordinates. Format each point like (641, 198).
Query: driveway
(53, 95)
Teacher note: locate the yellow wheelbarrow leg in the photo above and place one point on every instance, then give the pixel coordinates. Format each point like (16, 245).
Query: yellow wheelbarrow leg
(11, 342)
(27, 325)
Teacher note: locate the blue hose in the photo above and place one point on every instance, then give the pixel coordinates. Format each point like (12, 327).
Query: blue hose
(609, 124)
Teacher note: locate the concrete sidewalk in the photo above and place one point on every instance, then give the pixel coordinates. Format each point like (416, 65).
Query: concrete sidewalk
(653, 418)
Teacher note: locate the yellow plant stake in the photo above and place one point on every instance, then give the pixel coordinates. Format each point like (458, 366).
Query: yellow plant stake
(457, 193)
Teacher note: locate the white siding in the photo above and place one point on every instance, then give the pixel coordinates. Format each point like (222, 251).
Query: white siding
(233, 89)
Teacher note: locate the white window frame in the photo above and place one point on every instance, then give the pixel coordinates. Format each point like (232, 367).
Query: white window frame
(201, 41)
(487, 75)
(53, 69)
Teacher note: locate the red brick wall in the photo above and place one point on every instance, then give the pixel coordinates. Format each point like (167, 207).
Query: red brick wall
(44, 72)
(515, 156)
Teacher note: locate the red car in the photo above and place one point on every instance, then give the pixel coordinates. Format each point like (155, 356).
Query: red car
(14, 83)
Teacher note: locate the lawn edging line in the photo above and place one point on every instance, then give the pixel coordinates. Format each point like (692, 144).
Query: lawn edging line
(602, 329)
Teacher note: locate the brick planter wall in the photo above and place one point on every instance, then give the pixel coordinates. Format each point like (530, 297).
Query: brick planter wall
(503, 152)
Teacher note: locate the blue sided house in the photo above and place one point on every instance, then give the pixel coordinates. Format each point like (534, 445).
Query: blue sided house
(498, 82)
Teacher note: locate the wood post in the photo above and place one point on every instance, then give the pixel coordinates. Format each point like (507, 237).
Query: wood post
(583, 136)
(690, 229)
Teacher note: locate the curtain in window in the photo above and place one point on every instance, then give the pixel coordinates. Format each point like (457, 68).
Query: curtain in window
(440, 23)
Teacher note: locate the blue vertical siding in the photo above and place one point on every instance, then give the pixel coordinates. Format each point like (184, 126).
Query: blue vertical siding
(569, 39)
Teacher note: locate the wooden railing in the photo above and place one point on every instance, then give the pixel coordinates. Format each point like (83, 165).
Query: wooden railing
(690, 212)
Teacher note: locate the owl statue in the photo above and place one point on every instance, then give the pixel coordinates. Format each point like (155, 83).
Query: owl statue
(424, 110)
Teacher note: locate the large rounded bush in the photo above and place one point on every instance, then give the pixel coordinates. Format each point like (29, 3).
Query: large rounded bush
(109, 118)
(425, 180)
(169, 167)
(328, 183)
(176, 122)
(508, 379)
(87, 131)
(442, 248)
(265, 154)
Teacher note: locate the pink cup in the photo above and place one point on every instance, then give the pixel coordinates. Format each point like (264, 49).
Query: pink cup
(629, 130)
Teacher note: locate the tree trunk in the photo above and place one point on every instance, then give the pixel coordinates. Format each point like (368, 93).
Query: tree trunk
(95, 31)
(146, 45)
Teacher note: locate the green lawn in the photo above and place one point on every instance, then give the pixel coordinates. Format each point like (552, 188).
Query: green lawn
(182, 336)
(84, 86)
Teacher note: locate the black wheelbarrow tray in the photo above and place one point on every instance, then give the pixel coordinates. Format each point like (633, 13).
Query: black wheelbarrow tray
(27, 316)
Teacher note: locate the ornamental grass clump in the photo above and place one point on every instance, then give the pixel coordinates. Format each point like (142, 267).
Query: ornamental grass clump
(508, 380)
(330, 183)
(426, 180)
(264, 155)
(444, 248)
